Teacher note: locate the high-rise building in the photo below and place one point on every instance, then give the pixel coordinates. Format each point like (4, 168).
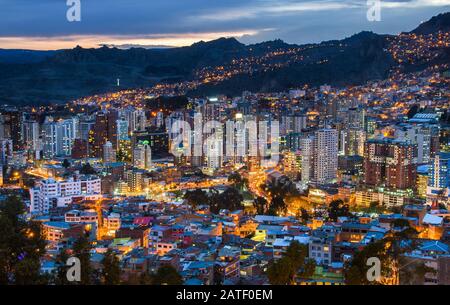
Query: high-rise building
(438, 190)
(137, 120)
(211, 110)
(109, 154)
(422, 181)
(112, 118)
(356, 117)
(50, 138)
(158, 141)
(422, 135)
(98, 135)
(11, 120)
(291, 163)
(439, 175)
(292, 123)
(326, 145)
(159, 119)
(319, 157)
(135, 180)
(390, 162)
(6, 151)
(370, 125)
(307, 160)
(67, 133)
(292, 141)
(86, 123)
(122, 129)
(142, 156)
(80, 149)
(59, 136)
(31, 135)
(352, 142)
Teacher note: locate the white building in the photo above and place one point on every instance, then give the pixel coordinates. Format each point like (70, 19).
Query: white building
(307, 160)
(58, 136)
(109, 154)
(122, 130)
(326, 144)
(142, 156)
(420, 135)
(6, 151)
(51, 193)
(293, 123)
(320, 250)
(137, 121)
(319, 155)
(85, 125)
(30, 134)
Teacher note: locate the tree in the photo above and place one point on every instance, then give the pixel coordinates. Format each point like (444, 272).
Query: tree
(260, 204)
(355, 272)
(402, 239)
(304, 215)
(21, 245)
(279, 273)
(196, 197)
(292, 263)
(87, 169)
(413, 111)
(110, 268)
(62, 268)
(167, 275)
(277, 206)
(81, 249)
(308, 269)
(413, 272)
(389, 251)
(230, 199)
(66, 163)
(145, 278)
(217, 275)
(237, 180)
(338, 209)
(281, 188)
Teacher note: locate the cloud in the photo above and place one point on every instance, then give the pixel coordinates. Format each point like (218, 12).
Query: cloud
(284, 8)
(92, 41)
(275, 8)
(29, 24)
(414, 4)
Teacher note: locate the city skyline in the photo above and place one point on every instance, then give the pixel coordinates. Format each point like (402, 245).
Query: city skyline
(223, 163)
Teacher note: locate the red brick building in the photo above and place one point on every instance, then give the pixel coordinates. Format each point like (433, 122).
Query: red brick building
(390, 163)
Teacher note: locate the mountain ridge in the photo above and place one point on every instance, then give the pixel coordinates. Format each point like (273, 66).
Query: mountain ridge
(62, 75)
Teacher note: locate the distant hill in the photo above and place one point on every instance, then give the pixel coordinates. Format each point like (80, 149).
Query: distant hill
(24, 56)
(354, 60)
(39, 77)
(437, 23)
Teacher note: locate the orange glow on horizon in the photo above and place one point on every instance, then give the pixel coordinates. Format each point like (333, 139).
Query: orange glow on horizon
(94, 41)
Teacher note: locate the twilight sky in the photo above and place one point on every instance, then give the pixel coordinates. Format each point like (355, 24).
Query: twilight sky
(42, 24)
